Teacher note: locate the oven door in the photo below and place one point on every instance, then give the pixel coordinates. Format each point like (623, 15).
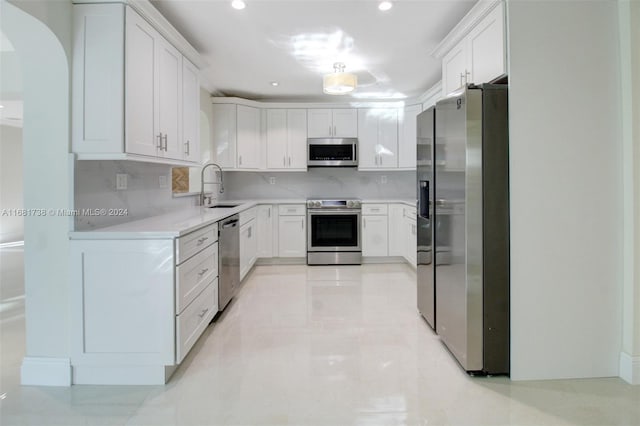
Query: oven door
(333, 230)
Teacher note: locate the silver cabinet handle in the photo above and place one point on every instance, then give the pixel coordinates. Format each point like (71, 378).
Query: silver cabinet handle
(187, 148)
(240, 159)
(202, 240)
(335, 132)
(249, 232)
(289, 161)
(467, 74)
(269, 212)
(203, 313)
(160, 141)
(380, 155)
(204, 271)
(165, 142)
(284, 161)
(375, 210)
(330, 134)
(302, 224)
(364, 222)
(461, 79)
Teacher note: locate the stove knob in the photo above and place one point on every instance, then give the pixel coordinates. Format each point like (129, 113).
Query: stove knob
(349, 203)
(356, 204)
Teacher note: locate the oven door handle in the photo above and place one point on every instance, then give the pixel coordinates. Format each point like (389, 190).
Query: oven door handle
(334, 211)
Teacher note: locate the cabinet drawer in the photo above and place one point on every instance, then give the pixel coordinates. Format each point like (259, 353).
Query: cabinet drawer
(192, 322)
(374, 209)
(190, 244)
(292, 210)
(194, 274)
(248, 215)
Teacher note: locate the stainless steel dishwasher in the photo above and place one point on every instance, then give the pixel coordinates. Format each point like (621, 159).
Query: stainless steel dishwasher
(229, 260)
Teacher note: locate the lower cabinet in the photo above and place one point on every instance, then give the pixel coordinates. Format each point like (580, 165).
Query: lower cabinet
(248, 247)
(375, 230)
(264, 225)
(397, 242)
(292, 230)
(410, 234)
(139, 305)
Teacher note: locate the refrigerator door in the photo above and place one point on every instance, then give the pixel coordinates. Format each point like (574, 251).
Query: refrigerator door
(458, 242)
(425, 188)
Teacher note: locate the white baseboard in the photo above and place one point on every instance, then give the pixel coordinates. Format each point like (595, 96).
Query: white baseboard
(40, 371)
(122, 375)
(630, 368)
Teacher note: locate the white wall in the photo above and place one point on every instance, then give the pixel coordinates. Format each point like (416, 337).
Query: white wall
(47, 184)
(11, 226)
(566, 198)
(629, 16)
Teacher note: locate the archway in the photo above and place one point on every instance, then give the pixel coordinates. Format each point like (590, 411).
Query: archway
(47, 187)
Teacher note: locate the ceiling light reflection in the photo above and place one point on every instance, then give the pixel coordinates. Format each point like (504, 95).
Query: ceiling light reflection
(238, 4)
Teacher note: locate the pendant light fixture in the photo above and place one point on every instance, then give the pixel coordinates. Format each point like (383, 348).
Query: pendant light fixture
(340, 82)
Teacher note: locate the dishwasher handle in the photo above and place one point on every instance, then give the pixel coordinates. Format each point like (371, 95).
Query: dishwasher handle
(230, 224)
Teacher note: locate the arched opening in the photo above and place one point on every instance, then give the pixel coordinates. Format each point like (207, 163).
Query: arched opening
(47, 172)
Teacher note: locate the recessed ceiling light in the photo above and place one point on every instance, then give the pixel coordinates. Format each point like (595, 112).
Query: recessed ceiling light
(275, 83)
(385, 5)
(238, 4)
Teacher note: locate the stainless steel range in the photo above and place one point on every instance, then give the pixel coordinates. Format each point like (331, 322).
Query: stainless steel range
(334, 232)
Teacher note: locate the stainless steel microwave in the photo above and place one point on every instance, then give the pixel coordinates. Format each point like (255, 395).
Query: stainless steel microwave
(332, 152)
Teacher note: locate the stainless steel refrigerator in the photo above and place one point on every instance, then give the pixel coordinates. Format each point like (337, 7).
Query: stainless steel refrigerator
(425, 255)
(471, 227)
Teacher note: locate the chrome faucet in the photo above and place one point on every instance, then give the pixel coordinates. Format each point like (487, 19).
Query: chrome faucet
(202, 182)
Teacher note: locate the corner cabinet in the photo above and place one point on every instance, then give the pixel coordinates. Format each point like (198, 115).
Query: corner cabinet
(480, 56)
(236, 136)
(408, 137)
(134, 95)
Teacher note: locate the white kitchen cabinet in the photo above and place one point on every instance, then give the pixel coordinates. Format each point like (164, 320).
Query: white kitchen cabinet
(480, 56)
(375, 240)
(248, 247)
(127, 88)
(224, 131)
(407, 140)
(264, 228)
(190, 111)
(248, 138)
(378, 138)
(411, 235)
(292, 231)
(286, 139)
(332, 123)
(169, 75)
(397, 239)
(135, 323)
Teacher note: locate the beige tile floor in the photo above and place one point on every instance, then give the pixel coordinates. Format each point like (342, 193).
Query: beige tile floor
(318, 346)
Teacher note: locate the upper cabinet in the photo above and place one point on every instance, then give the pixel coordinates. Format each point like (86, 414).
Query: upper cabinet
(407, 137)
(286, 139)
(135, 96)
(236, 136)
(474, 52)
(378, 138)
(332, 123)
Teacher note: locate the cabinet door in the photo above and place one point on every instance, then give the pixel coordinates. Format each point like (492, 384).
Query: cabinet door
(320, 123)
(412, 241)
(190, 111)
(486, 48)
(277, 155)
(292, 236)
(345, 123)
(375, 236)
(454, 68)
(264, 231)
(245, 253)
(297, 139)
(368, 157)
(397, 237)
(407, 141)
(248, 138)
(142, 133)
(388, 137)
(169, 72)
(252, 247)
(224, 130)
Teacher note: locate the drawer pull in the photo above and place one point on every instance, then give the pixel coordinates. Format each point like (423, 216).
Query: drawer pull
(204, 271)
(375, 210)
(203, 313)
(202, 240)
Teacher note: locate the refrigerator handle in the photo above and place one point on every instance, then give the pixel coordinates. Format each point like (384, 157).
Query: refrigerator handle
(424, 199)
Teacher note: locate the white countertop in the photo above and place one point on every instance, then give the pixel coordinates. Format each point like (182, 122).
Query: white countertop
(184, 221)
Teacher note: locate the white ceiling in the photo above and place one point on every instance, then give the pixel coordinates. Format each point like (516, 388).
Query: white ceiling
(295, 42)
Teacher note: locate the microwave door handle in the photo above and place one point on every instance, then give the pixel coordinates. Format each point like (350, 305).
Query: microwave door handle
(355, 153)
(424, 199)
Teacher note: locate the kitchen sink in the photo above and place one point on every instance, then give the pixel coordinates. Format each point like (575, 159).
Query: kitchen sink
(223, 206)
